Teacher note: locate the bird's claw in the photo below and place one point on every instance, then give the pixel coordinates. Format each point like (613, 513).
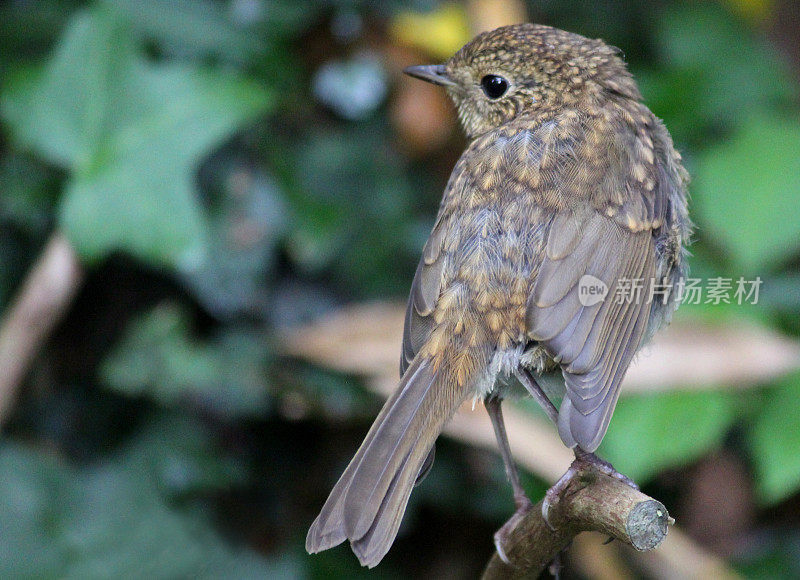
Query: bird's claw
(547, 501)
(604, 467)
(498, 545)
(623, 478)
(552, 495)
(524, 505)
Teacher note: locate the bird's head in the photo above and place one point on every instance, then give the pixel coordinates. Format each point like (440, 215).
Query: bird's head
(523, 68)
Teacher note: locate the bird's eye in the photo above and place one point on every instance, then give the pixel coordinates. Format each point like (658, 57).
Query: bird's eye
(494, 86)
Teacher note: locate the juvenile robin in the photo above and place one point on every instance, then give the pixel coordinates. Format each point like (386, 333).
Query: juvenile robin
(569, 192)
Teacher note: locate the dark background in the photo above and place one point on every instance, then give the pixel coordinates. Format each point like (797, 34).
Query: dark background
(231, 171)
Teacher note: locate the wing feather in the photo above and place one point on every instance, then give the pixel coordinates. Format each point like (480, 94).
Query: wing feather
(594, 343)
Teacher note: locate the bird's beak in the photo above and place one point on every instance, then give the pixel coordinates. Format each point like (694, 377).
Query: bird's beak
(432, 73)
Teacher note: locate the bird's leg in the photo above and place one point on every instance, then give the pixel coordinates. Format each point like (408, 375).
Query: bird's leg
(584, 460)
(521, 501)
(526, 378)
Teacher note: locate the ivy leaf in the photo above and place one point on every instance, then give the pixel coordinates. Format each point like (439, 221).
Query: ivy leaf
(131, 134)
(194, 28)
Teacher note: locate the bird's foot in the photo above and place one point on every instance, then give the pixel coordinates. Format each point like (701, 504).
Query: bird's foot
(606, 468)
(584, 461)
(524, 505)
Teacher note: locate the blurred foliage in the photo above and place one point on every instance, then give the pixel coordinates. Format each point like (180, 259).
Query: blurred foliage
(119, 517)
(440, 32)
(658, 431)
(737, 177)
(231, 168)
(774, 442)
(157, 356)
(130, 134)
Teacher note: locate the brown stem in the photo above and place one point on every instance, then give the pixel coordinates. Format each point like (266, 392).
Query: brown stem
(592, 501)
(40, 304)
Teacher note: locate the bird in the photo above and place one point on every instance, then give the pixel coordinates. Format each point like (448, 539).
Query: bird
(558, 250)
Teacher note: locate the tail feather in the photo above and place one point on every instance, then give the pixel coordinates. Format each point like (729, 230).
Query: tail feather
(374, 544)
(368, 502)
(390, 453)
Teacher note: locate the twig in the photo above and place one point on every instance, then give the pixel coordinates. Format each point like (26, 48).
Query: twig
(40, 304)
(592, 501)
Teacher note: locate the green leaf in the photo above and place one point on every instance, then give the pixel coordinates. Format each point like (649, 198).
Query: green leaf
(651, 432)
(697, 38)
(195, 28)
(131, 133)
(32, 493)
(116, 518)
(64, 110)
(157, 357)
(747, 189)
(774, 441)
(701, 85)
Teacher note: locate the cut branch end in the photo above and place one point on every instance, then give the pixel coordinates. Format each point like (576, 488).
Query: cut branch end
(593, 501)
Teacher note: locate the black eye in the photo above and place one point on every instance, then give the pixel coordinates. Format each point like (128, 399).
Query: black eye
(494, 86)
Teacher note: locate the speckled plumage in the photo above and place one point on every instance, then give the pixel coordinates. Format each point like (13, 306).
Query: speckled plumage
(566, 174)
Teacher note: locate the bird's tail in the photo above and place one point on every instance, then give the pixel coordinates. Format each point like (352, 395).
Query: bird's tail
(368, 502)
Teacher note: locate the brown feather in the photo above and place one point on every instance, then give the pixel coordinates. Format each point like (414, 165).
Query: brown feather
(367, 503)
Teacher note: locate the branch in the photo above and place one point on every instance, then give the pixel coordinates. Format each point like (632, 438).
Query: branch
(592, 501)
(44, 297)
